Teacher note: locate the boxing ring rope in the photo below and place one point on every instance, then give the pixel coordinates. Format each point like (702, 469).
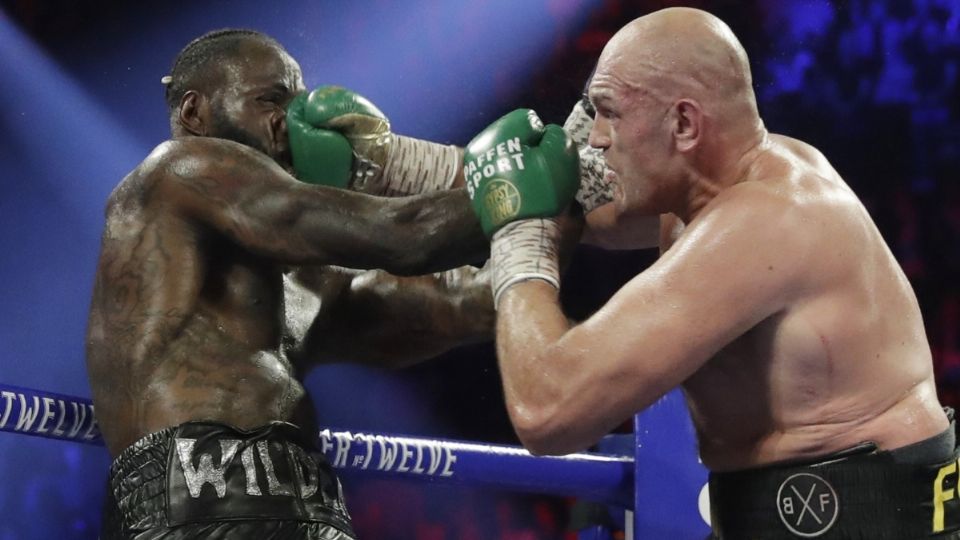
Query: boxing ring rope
(661, 486)
(597, 477)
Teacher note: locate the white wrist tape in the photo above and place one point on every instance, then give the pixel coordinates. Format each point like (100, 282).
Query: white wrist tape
(524, 250)
(594, 191)
(578, 125)
(413, 166)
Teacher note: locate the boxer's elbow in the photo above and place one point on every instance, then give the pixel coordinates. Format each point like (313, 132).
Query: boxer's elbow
(430, 250)
(403, 251)
(543, 431)
(539, 446)
(410, 262)
(425, 256)
(548, 443)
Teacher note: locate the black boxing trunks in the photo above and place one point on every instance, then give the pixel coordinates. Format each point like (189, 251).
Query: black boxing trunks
(905, 494)
(213, 481)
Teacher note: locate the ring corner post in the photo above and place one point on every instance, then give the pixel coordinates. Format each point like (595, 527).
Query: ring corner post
(668, 476)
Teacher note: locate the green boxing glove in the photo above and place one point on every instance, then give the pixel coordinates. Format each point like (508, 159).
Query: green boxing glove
(517, 168)
(336, 137)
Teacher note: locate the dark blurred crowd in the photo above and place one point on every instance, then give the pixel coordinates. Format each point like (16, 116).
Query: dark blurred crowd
(872, 83)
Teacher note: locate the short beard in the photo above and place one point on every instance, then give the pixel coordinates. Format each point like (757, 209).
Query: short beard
(223, 128)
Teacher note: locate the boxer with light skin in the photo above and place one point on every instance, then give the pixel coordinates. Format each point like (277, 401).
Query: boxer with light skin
(779, 309)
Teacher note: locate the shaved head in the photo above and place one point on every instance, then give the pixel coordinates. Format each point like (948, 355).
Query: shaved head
(680, 52)
(675, 110)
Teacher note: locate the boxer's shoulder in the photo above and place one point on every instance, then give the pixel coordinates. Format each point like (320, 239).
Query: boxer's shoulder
(741, 209)
(195, 168)
(189, 157)
(791, 186)
(751, 229)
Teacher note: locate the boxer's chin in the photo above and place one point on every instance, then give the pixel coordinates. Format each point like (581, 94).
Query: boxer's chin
(619, 197)
(633, 207)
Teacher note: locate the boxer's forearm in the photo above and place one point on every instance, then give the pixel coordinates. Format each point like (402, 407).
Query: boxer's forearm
(530, 326)
(383, 320)
(415, 318)
(427, 233)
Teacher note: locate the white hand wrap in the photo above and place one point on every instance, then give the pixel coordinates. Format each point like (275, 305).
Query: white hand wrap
(578, 125)
(594, 191)
(413, 166)
(524, 250)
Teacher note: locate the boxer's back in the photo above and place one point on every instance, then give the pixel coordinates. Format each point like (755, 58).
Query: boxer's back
(845, 361)
(184, 324)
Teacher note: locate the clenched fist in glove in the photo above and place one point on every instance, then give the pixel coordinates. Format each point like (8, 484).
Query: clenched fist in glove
(341, 139)
(519, 173)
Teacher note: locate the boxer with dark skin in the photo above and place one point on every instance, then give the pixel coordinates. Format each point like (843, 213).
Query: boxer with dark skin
(189, 291)
(188, 320)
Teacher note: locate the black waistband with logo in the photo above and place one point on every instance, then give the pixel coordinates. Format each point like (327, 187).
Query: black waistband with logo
(860, 493)
(206, 471)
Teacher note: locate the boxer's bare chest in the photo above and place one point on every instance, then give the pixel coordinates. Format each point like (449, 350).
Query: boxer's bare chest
(760, 386)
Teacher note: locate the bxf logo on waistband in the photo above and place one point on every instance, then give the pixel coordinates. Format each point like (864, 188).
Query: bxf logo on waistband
(808, 505)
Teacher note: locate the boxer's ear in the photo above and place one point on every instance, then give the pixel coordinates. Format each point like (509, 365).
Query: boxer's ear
(193, 113)
(687, 122)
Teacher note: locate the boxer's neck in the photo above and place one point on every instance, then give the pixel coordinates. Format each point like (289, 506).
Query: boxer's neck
(721, 166)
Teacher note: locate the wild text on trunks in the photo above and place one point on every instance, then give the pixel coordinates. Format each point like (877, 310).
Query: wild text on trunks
(200, 468)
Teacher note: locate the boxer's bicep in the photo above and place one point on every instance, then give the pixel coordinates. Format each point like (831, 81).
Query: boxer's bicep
(671, 227)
